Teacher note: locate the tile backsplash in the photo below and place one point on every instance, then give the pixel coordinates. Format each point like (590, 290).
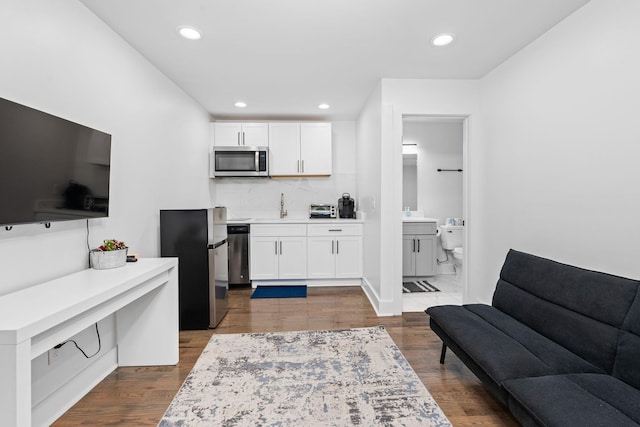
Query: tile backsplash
(260, 197)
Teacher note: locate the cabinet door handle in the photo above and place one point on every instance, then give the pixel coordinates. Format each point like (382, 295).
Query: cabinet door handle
(298, 166)
(332, 242)
(335, 229)
(418, 245)
(276, 247)
(303, 166)
(243, 141)
(414, 245)
(280, 247)
(337, 247)
(238, 138)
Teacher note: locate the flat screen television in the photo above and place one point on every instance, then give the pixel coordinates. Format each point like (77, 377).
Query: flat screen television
(51, 169)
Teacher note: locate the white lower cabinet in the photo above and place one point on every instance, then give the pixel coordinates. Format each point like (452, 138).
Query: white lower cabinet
(419, 246)
(292, 257)
(334, 251)
(321, 257)
(349, 257)
(278, 252)
(264, 258)
(301, 251)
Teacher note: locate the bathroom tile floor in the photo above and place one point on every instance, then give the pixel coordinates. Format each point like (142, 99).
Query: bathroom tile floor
(450, 293)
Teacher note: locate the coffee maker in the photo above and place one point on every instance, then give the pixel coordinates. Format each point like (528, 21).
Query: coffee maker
(346, 206)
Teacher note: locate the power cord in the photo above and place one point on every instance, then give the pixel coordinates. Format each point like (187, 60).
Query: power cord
(97, 330)
(88, 247)
(81, 350)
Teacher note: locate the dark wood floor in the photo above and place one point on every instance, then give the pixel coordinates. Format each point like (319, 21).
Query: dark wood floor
(139, 396)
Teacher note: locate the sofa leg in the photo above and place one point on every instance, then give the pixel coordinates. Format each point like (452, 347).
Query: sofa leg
(443, 353)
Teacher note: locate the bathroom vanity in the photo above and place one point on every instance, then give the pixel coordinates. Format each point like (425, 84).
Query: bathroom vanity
(419, 245)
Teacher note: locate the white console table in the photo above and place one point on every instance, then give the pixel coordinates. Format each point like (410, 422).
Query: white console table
(143, 295)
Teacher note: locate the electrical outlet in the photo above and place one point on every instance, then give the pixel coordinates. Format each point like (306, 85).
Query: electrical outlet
(54, 355)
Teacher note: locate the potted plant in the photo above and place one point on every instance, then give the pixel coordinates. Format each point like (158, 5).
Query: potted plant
(111, 254)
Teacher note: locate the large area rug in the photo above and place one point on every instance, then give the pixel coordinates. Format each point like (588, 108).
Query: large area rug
(309, 378)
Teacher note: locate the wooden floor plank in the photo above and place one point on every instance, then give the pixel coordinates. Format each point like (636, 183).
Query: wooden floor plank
(139, 396)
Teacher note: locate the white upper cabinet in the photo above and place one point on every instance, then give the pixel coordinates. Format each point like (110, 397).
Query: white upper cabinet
(300, 149)
(315, 148)
(233, 134)
(284, 150)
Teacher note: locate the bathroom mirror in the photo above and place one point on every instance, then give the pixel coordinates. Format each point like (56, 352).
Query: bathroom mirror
(430, 144)
(410, 181)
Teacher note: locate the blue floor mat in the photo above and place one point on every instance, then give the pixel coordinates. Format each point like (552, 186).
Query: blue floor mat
(280, 292)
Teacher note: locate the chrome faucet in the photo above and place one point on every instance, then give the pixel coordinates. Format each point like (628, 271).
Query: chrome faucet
(283, 212)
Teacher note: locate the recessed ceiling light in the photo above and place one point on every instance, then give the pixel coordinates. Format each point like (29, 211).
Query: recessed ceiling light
(443, 39)
(240, 104)
(323, 106)
(189, 33)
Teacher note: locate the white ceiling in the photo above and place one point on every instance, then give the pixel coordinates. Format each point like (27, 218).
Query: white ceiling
(284, 57)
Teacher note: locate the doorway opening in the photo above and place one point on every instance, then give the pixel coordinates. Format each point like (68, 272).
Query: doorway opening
(434, 206)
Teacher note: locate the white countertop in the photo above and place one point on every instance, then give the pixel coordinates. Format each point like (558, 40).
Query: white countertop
(293, 221)
(418, 219)
(318, 220)
(28, 312)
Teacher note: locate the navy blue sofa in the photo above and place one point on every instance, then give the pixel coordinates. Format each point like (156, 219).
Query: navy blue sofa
(559, 346)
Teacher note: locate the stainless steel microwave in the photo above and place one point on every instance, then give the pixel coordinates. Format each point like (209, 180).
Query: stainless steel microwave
(239, 161)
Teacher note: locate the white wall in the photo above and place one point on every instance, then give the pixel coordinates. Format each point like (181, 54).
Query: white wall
(260, 197)
(562, 140)
(369, 153)
(438, 146)
(59, 58)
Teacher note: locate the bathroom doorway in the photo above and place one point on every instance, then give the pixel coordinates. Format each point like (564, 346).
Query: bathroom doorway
(434, 188)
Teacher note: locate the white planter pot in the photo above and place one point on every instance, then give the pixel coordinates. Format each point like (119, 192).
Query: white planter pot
(103, 260)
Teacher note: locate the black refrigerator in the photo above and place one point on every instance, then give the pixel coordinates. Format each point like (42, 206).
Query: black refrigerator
(198, 237)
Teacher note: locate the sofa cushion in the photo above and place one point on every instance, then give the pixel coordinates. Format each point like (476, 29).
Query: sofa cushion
(561, 360)
(574, 400)
(627, 363)
(583, 309)
(499, 354)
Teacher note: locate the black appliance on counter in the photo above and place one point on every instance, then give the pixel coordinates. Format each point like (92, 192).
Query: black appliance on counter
(198, 237)
(346, 206)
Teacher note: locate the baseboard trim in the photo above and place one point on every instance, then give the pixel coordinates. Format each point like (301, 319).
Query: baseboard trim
(315, 283)
(381, 307)
(312, 283)
(371, 295)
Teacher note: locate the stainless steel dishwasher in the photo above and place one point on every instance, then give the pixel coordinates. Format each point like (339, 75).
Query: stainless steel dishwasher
(238, 235)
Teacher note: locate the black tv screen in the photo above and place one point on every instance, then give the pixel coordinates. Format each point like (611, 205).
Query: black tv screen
(51, 169)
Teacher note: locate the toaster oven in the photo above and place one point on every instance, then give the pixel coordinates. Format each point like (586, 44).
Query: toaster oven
(322, 211)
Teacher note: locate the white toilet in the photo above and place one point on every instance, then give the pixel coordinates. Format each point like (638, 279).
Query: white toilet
(451, 237)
